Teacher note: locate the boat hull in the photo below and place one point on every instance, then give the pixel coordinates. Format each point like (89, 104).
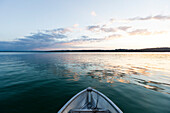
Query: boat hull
(90, 100)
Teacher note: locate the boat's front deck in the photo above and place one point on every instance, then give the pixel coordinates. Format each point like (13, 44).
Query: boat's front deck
(89, 111)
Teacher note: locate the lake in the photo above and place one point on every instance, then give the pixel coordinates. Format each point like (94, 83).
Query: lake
(44, 82)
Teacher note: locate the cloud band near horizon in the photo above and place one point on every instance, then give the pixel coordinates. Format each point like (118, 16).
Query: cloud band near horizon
(76, 37)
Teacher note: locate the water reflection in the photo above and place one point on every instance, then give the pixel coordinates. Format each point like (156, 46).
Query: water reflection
(70, 75)
(133, 75)
(148, 70)
(51, 79)
(151, 71)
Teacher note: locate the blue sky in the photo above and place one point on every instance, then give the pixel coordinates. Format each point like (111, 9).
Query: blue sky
(84, 24)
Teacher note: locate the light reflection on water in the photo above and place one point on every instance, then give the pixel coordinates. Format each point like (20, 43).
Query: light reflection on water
(136, 82)
(150, 71)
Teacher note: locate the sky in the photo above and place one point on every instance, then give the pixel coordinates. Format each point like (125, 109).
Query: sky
(84, 24)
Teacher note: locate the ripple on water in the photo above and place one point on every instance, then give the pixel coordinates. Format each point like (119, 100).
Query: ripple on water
(44, 82)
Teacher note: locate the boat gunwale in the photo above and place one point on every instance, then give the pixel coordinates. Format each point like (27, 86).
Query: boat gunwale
(108, 100)
(94, 90)
(71, 100)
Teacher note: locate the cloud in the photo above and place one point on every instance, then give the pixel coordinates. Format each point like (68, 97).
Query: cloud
(88, 39)
(5, 45)
(108, 29)
(97, 28)
(145, 32)
(85, 40)
(93, 27)
(36, 40)
(59, 30)
(84, 36)
(161, 17)
(140, 32)
(47, 36)
(138, 18)
(113, 36)
(68, 37)
(93, 13)
(157, 17)
(124, 28)
(55, 38)
(82, 40)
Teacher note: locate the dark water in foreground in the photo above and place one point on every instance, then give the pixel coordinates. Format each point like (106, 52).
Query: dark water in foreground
(43, 82)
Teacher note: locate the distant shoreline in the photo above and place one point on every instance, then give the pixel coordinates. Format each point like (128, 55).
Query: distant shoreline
(167, 49)
(118, 50)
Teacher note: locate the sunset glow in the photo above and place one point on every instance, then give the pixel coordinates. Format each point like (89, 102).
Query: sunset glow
(114, 28)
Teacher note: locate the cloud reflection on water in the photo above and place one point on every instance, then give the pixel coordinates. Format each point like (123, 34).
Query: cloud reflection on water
(150, 71)
(146, 71)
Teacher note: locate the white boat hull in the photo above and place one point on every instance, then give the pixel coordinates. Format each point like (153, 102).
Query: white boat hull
(90, 101)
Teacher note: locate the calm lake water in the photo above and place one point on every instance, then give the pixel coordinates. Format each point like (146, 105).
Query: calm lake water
(44, 82)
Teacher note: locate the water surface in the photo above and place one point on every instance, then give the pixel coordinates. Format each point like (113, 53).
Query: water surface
(43, 82)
